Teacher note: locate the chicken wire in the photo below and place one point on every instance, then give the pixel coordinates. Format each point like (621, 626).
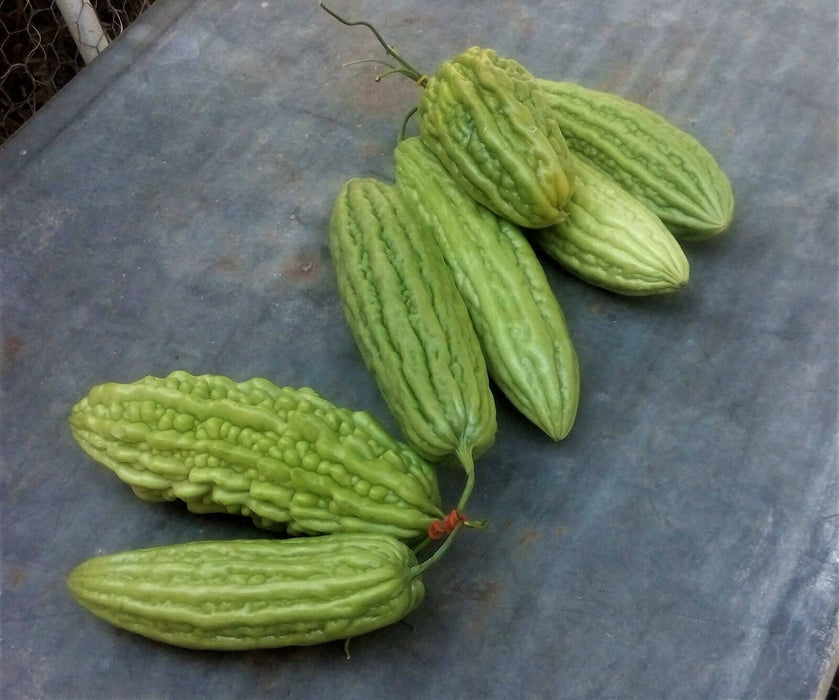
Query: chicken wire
(38, 55)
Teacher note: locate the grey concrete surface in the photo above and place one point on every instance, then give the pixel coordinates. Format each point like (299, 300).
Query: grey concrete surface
(168, 210)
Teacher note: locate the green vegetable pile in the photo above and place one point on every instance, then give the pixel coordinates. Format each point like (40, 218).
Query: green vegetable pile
(444, 293)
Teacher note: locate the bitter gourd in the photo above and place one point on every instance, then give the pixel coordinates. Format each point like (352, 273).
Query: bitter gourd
(613, 241)
(489, 123)
(516, 315)
(251, 594)
(411, 325)
(282, 455)
(665, 168)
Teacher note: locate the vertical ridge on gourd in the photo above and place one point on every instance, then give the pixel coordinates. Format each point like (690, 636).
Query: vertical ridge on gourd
(485, 117)
(667, 169)
(516, 316)
(252, 594)
(280, 455)
(611, 240)
(411, 326)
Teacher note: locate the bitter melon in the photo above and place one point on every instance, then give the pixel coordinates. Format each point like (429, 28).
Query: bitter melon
(488, 121)
(665, 168)
(515, 313)
(613, 241)
(411, 325)
(251, 594)
(283, 456)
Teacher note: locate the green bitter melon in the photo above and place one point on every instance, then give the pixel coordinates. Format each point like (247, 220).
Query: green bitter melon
(283, 456)
(411, 325)
(516, 315)
(251, 594)
(612, 240)
(665, 168)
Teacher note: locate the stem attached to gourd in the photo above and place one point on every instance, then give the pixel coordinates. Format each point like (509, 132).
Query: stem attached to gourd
(404, 127)
(470, 523)
(464, 454)
(404, 67)
(434, 558)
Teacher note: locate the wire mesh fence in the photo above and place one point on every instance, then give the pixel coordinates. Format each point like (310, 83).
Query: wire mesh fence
(38, 54)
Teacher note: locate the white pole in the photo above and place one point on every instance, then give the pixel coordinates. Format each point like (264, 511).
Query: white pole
(84, 25)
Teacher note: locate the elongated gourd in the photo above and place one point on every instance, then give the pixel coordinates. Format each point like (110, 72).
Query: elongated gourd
(516, 315)
(251, 594)
(410, 324)
(667, 169)
(487, 120)
(613, 241)
(283, 456)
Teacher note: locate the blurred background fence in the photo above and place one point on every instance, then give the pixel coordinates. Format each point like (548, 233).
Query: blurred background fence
(38, 52)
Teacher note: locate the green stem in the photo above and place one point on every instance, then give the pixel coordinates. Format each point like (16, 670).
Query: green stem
(407, 68)
(464, 454)
(422, 545)
(395, 69)
(368, 60)
(405, 121)
(434, 558)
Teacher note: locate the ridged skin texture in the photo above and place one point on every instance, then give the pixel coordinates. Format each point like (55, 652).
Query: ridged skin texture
(488, 122)
(662, 166)
(518, 319)
(410, 324)
(283, 456)
(252, 594)
(613, 241)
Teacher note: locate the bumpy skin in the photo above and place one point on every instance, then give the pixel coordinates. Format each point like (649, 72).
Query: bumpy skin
(662, 166)
(516, 316)
(486, 119)
(251, 594)
(410, 324)
(281, 455)
(613, 241)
